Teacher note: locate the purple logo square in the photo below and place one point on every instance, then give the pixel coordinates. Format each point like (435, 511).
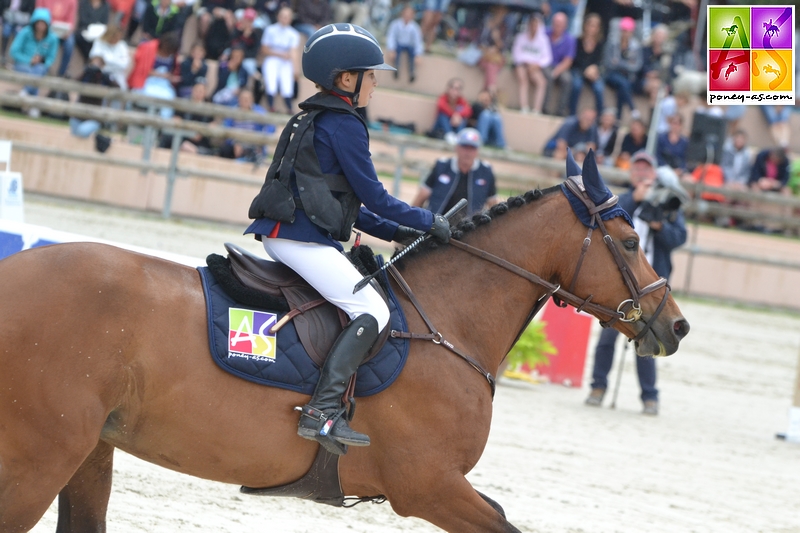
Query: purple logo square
(771, 27)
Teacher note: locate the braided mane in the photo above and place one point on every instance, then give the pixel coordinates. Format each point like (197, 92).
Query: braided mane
(480, 219)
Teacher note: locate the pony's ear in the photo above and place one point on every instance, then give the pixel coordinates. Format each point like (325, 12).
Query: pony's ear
(592, 182)
(572, 167)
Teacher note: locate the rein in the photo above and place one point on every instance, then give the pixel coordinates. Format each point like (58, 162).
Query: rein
(628, 310)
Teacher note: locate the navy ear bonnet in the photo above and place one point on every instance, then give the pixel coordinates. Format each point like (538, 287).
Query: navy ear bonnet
(591, 181)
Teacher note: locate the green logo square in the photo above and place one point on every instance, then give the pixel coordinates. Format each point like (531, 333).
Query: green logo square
(728, 27)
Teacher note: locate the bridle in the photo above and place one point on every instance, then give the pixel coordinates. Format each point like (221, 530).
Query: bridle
(629, 310)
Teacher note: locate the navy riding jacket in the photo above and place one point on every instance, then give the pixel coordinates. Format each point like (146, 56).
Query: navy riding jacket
(443, 182)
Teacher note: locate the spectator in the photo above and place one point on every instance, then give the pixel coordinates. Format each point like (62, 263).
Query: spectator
(531, 55)
(231, 79)
(770, 171)
(64, 14)
(115, 56)
(487, 120)
(494, 41)
(661, 229)
(280, 46)
(160, 17)
(312, 15)
(586, 66)
(404, 36)
(650, 78)
(94, 74)
(452, 110)
(216, 25)
(241, 151)
(671, 147)
(198, 143)
(352, 11)
(778, 120)
(34, 49)
(154, 66)
(462, 176)
(559, 77)
(431, 18)
(191, 69)
(735, 162)
(606, 136)
(634, 141)
(122, 10)
(94, 13)
(248, 37)
(15, 15)
(622, 62)
(576, 129)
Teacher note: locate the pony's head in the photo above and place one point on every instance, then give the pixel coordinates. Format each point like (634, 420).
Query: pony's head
(612, 273)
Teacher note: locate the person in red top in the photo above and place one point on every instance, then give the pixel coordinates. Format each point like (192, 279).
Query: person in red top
(64, 14)
(452, 109)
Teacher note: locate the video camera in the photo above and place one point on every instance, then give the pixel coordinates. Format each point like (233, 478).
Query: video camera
(664, 198)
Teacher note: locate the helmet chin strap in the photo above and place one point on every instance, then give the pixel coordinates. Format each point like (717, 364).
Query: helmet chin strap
(353, 96)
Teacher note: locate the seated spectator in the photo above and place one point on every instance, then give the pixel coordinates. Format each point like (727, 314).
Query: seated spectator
(770, 171)
(634, 141)
(240, 151)
(64, 14)
(122, 10)
(198, 143)
(94, 74)
(352, 11)
(160, 17)
(559, 77)
(231, 79)
(312, 15)
(671, 147)
(34, 49)
(431, 18)
(115, 56)
(452, 110)
(531, 55)
(94, 13)
(248, 37)
(154, 66)
(574, 130)
(622, 61)
(736, 161)
(649, 79)
(216, 26)
(586, 65)
(487, 120)
(494, 41)
(606, 136)
(778, 120)
(404, 36)
(191, 69)
(280, 46)
(14, 15)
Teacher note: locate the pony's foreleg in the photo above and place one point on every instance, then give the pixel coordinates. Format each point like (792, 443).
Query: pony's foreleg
(83, 502)
(457, 507)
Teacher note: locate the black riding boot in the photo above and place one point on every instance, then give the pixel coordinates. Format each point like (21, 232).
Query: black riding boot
(323, 418)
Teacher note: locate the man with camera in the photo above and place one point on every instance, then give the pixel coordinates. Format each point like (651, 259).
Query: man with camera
(654, 203)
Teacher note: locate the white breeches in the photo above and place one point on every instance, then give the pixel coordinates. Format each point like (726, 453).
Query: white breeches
(331, 273)
(278, 75)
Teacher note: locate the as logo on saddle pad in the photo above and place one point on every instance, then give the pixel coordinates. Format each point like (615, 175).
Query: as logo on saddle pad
(249, 336)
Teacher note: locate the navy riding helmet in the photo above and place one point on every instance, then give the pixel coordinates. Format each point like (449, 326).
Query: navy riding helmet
(339, 48)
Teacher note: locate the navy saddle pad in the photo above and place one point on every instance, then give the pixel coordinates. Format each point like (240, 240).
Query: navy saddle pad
(241, 344)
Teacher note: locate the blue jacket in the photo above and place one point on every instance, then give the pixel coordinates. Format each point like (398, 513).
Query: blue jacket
(671, 235)
(342, 146)
(443, 182)
(25, 45)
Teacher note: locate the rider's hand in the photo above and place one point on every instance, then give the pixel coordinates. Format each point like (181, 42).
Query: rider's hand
(440, 229)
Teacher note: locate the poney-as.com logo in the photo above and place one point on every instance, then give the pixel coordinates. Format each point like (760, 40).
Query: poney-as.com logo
(751, 55)
(249, 334)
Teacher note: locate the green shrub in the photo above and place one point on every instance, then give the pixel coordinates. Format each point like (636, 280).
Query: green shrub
(532, 347)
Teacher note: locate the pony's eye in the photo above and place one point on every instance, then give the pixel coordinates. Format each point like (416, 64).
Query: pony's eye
(630, 244)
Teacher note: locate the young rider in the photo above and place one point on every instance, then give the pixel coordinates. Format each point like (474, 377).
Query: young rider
(320, 176)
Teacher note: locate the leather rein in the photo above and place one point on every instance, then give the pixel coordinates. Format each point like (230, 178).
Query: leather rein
(628, 310)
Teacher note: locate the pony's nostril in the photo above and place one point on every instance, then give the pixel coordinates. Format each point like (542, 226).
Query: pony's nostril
(681, 328)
